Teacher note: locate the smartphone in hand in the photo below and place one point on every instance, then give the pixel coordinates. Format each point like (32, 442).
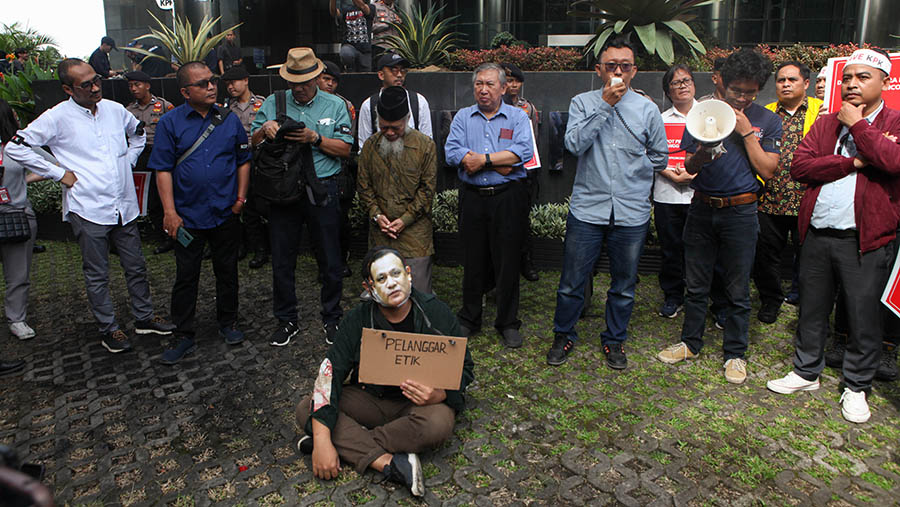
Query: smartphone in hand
(184, 237)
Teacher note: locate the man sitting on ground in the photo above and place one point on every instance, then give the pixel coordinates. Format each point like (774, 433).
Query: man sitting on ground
(406, 419)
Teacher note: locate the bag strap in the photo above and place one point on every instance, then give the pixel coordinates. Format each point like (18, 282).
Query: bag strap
(280, 107)
(209, 129)
(373, 110)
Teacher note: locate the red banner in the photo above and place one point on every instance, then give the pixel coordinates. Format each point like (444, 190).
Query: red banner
(142, 187)
(833, 83)
(674, 133)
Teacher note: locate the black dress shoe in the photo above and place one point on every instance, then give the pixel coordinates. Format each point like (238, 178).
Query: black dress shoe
(166, 246)
(38, 249)
(528, 271)
(11, 366)
(259, 260)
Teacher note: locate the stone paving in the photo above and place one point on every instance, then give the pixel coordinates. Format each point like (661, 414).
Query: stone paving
(218, 428)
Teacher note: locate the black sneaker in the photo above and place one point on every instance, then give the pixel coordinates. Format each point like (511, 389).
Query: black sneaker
(834, 354)
(560, 350)
(156, 325)
(615, 356)
(887, 369)
(331, 329)
(116, 341)
(406, 469)
(282, 336)
(511, 338)
(768, 313)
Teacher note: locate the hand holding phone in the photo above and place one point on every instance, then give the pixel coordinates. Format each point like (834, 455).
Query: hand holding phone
(184, 237)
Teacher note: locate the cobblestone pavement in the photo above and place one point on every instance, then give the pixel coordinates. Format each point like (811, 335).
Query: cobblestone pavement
(218, 428)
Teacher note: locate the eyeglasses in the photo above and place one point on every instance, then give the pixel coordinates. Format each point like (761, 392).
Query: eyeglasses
(87, 85)
(681, 82)
(204, 83)
(397, 70)
(611, 66)
(742, 93)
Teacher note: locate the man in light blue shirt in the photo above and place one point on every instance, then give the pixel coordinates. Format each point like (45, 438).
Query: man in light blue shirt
(489, 143)
(620, 141)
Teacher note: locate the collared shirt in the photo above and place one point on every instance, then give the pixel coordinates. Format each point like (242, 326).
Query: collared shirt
(246, 111)
(834, 207)
(615, 170)
(471, 130)
(731, 174)
(365, 118)
(101, 149)
(783, 193)
(325, 113)
(150, 114)
(204, 184)
(665, 190)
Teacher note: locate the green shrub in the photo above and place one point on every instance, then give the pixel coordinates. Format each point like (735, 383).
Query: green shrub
(45, 197)
(527, 59)
(549, 220)
(445, 211)
(507, 39)
(357, 216)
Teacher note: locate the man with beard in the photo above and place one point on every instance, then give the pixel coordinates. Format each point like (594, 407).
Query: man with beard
(375, 426)
(392, 69)
(397, 180)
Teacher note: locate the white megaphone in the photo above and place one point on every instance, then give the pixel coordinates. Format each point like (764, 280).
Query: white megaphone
(709, 122)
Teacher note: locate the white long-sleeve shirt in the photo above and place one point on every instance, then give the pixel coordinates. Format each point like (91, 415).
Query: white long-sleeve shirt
(364, 125)
(101, 149)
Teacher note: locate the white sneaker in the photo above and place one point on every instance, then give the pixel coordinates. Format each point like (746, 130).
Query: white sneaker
(791, 384)
(854, 407)
(21, 330)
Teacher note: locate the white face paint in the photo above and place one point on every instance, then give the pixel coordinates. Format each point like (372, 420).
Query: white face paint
(391, 283)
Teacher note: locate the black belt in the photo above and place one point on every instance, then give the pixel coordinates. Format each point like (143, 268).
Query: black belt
(493, 190)
(835, 233)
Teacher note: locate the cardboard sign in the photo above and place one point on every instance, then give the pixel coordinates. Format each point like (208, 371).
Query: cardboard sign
(833, 83)
(390, 358)
(891, 295)
(535, 162)
(142, 187)
(674, 133)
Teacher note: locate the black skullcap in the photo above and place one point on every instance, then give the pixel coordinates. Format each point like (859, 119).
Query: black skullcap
(137, 75)
(236, 72)
(513, 71)
(392, 105)
(332, 69)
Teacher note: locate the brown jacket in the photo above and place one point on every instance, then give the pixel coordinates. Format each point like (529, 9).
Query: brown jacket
(402, 187)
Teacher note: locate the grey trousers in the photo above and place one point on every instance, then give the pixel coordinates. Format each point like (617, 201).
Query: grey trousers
(420, 268)
(94, 241)
(826, 262)
(17, 273)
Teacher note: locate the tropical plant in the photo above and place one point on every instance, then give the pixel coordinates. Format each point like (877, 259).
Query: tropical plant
(183, 43)
(421, 39)
(507, 39)
(41, 48)
(16, 89)
(654, 21)
(527, 59)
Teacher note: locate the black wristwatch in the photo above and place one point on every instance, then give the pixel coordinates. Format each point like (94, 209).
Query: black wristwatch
(487, 160)
(318, 140)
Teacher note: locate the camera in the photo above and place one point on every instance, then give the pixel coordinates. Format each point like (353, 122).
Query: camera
(20, 483)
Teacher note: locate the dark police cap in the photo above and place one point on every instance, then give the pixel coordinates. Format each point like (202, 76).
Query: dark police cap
(392, 105)
(109, 40)
(332, 69)
(513, 71)
(137, 75)
(235, 73)
(391, 60)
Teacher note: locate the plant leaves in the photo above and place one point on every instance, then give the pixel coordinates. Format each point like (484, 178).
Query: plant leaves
(664, 46)
(647, 34)
(684, 31)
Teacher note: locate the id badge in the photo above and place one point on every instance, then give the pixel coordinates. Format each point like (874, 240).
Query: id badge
(4, 195)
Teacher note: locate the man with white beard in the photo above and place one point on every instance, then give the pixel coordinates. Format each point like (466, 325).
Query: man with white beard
(396, 184)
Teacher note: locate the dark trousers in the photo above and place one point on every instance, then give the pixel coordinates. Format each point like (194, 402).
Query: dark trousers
(368, 426)
(773, 236)
(531, 193)
(827, 260)
(670, 219)
(154, 205)
(323, 222)
(723, 237)
(254, 226)
(224, 240)
(491, 229)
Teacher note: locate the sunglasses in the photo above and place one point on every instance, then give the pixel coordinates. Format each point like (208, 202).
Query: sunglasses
(204, 83)
(611, 66)
(87, 85)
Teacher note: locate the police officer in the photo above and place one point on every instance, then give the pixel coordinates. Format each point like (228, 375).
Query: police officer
(244, 104)
(148, 108)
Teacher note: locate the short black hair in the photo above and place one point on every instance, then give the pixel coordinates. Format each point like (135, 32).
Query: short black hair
(373, 255)
(667, 77)
(746, 64)
(804, 69)
(8, 124)
(19, 51)
(618, 43)
(718, 63)
(62, 70)
(182, 74)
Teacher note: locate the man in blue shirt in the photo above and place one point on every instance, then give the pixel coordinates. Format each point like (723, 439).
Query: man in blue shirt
(489, 142)
(620, 141)
(327, 132)
(202, 194)
(722, 225)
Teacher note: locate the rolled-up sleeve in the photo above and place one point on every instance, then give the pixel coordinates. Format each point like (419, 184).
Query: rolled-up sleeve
(266, 112)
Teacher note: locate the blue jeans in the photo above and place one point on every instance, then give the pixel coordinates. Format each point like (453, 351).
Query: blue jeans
(719, 238)
(584, 242)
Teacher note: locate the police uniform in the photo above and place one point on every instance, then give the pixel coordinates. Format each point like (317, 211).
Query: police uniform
(246, 111)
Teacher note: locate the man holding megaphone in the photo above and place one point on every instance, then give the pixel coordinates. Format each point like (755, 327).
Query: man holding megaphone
(722, 223)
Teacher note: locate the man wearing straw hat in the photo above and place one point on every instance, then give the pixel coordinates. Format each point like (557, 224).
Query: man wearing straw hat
(327, 131)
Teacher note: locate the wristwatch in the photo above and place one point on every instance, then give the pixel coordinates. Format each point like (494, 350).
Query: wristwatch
(487, 160)
(318, 140)
(243, 200)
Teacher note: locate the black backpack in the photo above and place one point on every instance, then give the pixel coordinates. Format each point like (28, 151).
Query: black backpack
(413, 109)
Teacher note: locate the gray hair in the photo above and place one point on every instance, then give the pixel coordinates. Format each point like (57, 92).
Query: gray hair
(490, 66)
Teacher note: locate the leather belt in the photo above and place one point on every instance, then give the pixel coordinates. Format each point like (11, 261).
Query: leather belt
(489, 191)
(724, 202)
(835, 233)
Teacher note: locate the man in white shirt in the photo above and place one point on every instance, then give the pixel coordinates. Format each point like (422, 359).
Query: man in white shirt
(97, 143)
(392, 69)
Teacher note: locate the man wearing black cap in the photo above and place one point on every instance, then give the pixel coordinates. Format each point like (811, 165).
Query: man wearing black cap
(397, 180)
(100, 57)
(148, 109)
(245, 104)
(392, 70)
